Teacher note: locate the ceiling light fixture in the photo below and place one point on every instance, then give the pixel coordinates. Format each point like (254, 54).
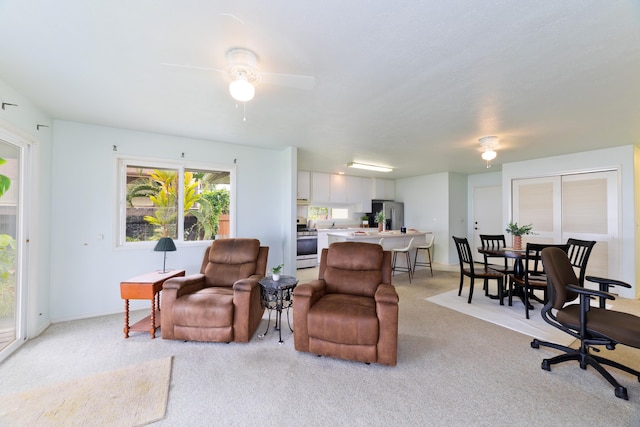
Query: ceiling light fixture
(488, 144)
(241, 89)
(369, 167)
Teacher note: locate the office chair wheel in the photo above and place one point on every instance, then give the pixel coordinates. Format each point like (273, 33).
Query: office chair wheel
(621, 392)
(535, 344)
(546, 365)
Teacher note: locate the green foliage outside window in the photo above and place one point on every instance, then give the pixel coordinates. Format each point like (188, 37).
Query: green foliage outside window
(7, 262)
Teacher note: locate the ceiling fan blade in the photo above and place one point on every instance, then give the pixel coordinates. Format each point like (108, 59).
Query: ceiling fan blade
(194, 67)
(289, 80)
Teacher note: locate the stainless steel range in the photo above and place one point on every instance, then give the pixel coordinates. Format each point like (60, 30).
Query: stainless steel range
(307, 246)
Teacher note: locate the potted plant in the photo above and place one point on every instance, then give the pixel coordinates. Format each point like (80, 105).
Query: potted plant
(517, 232)
(275, 272)
(379, 219)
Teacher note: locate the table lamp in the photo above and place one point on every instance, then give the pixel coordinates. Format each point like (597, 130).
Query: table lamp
(165, 244)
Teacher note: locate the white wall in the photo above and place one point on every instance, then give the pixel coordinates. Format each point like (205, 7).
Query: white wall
(23, 120)
(426, 208)
(86, 271)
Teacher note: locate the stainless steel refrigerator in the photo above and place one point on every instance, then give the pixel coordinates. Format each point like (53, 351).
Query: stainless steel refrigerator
(393, 214)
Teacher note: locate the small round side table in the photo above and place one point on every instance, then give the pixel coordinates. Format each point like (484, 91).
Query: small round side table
(277, 295)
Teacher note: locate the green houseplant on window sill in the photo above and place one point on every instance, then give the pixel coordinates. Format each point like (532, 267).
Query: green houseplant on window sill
(517, 232)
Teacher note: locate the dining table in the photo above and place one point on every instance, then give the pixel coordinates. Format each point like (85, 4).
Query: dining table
(518, 255)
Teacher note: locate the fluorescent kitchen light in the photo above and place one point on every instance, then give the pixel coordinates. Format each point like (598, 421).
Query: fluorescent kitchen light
(369, 167)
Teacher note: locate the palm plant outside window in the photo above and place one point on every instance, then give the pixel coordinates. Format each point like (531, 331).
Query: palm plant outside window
(184, 204)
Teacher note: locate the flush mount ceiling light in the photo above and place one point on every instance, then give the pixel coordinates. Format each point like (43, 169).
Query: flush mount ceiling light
(488, 144)
(369, 167)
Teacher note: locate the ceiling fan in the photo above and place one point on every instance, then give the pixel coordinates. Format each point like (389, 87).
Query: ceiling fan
(242, 70)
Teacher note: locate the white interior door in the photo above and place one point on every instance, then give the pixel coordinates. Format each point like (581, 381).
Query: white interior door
(487, 214)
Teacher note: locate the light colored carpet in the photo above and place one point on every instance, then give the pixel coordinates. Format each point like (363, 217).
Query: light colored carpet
(512, 317)
(453, 370)
(130, 396)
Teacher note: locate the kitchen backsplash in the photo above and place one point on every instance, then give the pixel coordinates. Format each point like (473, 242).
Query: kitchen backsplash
(335, 223)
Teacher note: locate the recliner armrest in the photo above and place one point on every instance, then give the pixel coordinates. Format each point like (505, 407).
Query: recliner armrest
(245, 285)
(183, 285)
(386, 294)
(314, 290)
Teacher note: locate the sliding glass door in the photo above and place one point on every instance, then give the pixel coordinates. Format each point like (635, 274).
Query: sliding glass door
(11, 235)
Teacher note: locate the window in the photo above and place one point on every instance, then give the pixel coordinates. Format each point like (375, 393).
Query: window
(183, 202)
(317, 213)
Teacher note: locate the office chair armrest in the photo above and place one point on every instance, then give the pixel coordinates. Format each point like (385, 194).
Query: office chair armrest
(606, 283)
(590, 292)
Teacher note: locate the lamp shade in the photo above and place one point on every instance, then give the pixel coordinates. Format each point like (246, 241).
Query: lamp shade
(165, 244)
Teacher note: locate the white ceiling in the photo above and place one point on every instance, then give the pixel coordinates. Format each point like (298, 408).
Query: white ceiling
(409, 84)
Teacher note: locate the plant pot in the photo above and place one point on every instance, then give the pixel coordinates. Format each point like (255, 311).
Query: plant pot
(275, 277)
(517, 242)
(379, 227)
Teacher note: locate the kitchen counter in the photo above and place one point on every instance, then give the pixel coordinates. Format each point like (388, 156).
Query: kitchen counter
(392, 239)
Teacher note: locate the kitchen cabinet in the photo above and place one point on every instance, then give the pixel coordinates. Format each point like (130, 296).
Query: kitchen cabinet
(338, 189)
(365, 196)
(304, 185)
(384, 189)
(320, 187)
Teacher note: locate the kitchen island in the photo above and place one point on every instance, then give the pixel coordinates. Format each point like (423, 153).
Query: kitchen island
(392, 239)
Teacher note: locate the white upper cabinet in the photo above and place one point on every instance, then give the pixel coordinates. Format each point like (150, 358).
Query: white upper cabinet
(338, 192)
(320, 187)
(304, 185)
(365, 195)
(344, 189)
(384, 189)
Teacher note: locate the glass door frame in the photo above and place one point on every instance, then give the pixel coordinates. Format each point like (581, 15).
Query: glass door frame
(24, 147)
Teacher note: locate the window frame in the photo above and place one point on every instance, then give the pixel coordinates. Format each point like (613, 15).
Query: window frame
(122, 162)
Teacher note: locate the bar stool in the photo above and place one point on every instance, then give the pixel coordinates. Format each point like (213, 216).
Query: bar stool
(381, 241)
(427, 248)
(404, 251)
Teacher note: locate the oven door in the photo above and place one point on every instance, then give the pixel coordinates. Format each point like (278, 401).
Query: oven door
(307, 245)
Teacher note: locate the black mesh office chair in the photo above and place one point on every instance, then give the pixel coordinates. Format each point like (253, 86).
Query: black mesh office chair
(593, 326)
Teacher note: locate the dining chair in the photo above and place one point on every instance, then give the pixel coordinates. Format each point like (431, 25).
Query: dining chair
(579, 253)
(495, 242)
(533, 278)
(428, 260)
(592, 326)
(475, 271)
(405, 252)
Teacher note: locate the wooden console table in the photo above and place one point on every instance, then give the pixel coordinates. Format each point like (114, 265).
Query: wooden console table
(147, 286)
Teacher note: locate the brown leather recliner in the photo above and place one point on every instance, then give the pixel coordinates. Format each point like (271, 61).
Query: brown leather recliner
(351, 310)
(222, 303)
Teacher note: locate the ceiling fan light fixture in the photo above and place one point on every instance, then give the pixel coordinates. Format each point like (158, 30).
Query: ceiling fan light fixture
(488, 144)
(489, 155)
(241, 89)
(369, 167)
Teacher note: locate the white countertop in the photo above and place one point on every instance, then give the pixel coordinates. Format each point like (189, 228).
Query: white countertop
(372, 233)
